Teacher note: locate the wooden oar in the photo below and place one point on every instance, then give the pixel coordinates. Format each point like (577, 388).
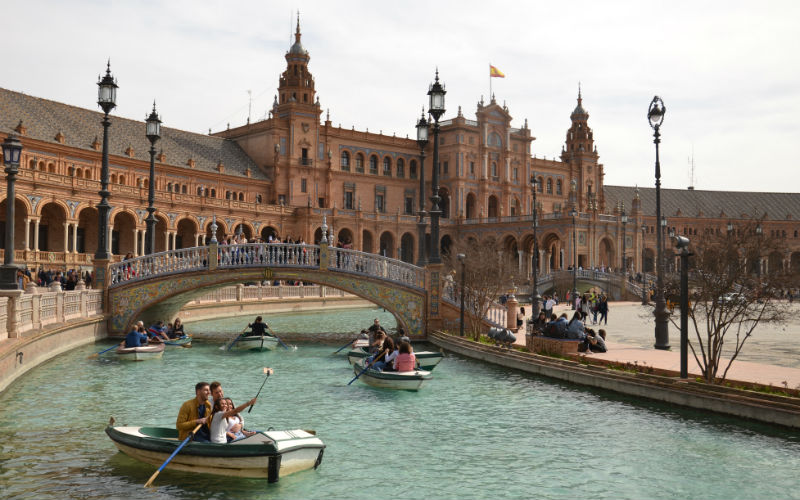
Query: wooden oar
(156, 473)
(279, 339)
(103, 351)
(367, 366)
(230, 344)
(269, 372)
(347, 344)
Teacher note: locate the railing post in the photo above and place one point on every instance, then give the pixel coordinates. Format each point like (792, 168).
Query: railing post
(12, 311)
(4, 301)
(84, 303)
(36, 311)
(213, 256)
(323, 256)
(239, 292)
(322, 290)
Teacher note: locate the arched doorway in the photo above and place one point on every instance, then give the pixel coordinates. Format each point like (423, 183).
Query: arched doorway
(493, 206)
(775, 263)
(270, 231)
(20, 214)
(51, 228)
(367, 244)
(345, 237)
(471, 207)
(607, 254)
(446, 243)
(386, 244)
(187, 229)
(87, 230)
(510, 252)
(407, 248)
(795, 262)
(123, 234)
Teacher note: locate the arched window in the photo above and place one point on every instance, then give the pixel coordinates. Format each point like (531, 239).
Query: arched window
(373, 164)
(494, 169)
(540, 184)
(51, 168)
(31, 164)
(87, 174)
(360, 163)
(227, 195)
(241, 196)
(258, 198)
(495, 140)
(401, 168)
(122, 179)
(213, 193)
(345, 161)
(184, 189)
(113, 178)
(169, 186)
(412, 169)
(549, 186)
(71, 171)
(387, 166)
(200, 190)
(559, 187)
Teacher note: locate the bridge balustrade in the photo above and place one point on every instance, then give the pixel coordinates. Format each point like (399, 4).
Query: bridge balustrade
(159, 264)
(353, 261)
(496, 315)
(269, 254)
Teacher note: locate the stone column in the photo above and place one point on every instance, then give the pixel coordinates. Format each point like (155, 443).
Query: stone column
(28, 233)
(75, 237)
(512, 308)
(36, 234)
(166, 241)
(142, 236)
(520, 261)
(66, 237)
(135, 242)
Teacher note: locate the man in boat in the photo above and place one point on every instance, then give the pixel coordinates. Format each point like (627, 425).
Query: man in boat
(259, 328)
(158, 332)
(373, 330)
(376, 342)
(135, 338)
(194, 412)
(216, 392)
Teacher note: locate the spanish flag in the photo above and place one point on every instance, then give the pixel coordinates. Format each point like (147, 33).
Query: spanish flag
(495, 73)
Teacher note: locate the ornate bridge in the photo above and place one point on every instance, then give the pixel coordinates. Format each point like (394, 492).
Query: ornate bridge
(157, 286)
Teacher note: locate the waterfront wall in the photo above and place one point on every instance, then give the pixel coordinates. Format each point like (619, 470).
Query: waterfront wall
(752, 405)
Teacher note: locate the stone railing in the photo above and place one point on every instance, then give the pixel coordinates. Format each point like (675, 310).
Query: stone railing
(243, 293)
(269, 254)
(496, 315)
(40, 307)
(377, 266)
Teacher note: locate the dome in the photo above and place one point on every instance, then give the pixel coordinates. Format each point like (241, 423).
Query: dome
(297, 48)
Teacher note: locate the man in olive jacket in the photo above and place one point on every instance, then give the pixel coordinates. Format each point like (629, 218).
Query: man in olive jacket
(196, 411)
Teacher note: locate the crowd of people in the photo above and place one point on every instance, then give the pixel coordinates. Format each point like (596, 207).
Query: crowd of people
(386, 353)
(589, 306)
(68, 280)
(139, 336)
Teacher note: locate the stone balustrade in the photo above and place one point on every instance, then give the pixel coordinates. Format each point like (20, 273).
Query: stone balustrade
(39, 308)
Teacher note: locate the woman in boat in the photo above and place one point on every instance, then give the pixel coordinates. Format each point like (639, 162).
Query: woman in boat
(219, 421)
(385, 356)
(176, 329)
(258, 328)
(405, 360)
(236, 424)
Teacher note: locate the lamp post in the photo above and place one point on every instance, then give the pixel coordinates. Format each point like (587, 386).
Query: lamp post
(683, 244)
(12, 148)
(644, 270)
(153, 133)
(574, 213)
(461, 258)
(535, 298)
(624, 218)
(655, 115)
(671, 233)
(759, 232)
(422, 141)
(436, 94)
(106, 99)
(664, 241)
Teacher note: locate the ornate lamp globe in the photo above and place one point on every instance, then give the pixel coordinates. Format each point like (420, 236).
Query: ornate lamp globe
(422, 131)
(436, 94)
(107, 91)
(656, 112)
(153, 125)
(12, 148)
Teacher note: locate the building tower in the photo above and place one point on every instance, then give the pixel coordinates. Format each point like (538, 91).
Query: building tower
(580, 154)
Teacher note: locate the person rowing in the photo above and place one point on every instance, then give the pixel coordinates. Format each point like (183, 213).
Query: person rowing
(258, 328)
(158, 332)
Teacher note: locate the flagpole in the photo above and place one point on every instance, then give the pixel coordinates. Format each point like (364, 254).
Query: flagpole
(490, 82)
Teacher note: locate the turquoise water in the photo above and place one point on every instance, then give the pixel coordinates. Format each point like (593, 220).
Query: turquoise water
(476, 431)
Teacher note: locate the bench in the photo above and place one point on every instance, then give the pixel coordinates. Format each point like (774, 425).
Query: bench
(549, 345)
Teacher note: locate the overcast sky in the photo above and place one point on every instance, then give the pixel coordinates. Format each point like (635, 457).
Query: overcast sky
(728, 72)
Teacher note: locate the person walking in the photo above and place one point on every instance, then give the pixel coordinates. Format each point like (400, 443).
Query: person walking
(602, 308)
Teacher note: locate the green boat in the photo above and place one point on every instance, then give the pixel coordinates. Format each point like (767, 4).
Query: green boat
(267, 455)
(427, 359)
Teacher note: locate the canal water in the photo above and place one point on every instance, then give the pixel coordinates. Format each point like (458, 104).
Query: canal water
(476, 431)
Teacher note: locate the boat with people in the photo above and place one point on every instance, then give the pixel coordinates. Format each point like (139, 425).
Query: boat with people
(428, 360)
(185, 341)
(269, 455)
(406, 381)
(258, 342)
(153, 350)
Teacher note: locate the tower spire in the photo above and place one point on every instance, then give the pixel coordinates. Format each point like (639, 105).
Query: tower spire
(297, 30)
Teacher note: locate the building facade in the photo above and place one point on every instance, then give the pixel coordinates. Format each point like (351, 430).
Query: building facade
(279, 176)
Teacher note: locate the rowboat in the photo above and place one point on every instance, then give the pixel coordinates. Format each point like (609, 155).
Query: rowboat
(406, 381)
(427, 359)
(255, 342)
(268, 455)
(149, 351)
(185, 341)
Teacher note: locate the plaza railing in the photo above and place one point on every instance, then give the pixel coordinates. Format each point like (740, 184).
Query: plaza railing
(376, 266)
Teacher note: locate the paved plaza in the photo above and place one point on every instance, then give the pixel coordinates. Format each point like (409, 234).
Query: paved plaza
(768, 357)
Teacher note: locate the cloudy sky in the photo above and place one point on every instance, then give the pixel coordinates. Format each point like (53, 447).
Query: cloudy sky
(728, 71)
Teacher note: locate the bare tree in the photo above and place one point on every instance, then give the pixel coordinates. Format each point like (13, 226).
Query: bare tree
(488, 274)
(731, 292)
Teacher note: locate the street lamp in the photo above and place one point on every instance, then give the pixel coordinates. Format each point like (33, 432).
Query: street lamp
(107, 100)
(436, 94)
(461, 258)
(664, 240)
(624, 218)
(644, 270)
(153, 133)
(422, 141)
(683, 245)
(535, 298)
(730, 228)
(655, 115)
(759, 231)
(574, 213)
(12, 148)
(671, 233)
